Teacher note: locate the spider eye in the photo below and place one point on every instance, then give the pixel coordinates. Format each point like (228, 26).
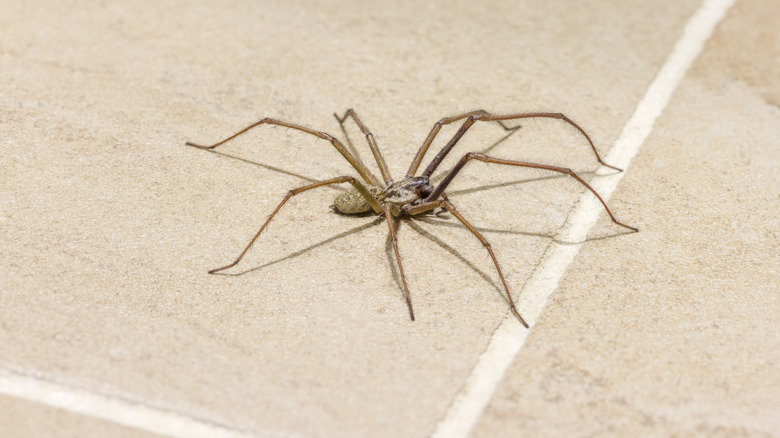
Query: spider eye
(423, 190)
(421, 187)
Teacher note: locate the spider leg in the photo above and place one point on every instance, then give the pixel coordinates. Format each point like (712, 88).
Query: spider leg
(444, 202)
(451, 208)
(435, 130)
(484, 158)
(361, 169)
(389, 217)
(342, 179)
(380, 161)
(487, 117)
(413, 210)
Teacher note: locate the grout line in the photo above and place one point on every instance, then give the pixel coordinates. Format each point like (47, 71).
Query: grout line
(113, 409)
(469, 404)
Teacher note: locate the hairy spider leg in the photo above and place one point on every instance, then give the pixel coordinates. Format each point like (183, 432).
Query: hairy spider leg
(445, 202)
(389, 216)
(342, 179)
(487, 117)
(361, 169)
(451, 208)
(435, 130)
(439, 190)
(380, 161)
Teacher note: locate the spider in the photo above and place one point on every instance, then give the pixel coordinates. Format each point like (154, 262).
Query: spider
(414, 194)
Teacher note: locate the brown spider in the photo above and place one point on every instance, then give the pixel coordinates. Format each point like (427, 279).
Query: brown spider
(413, 195)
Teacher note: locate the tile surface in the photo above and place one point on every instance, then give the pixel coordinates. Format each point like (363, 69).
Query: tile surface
(109, 223)
(673, 333)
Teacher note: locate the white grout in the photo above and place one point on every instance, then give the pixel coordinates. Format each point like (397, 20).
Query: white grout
(113, 409)
(508, 339)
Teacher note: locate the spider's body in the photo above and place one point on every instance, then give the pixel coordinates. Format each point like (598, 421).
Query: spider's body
(413, 194)
(408, 191)
(403, 193)
(352, 202)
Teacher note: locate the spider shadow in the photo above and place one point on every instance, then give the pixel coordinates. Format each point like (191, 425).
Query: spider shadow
(551, 235)
(432, 220)
(487, 187)
(440, 222)
(441, 175)
(604, 236)
(442, 244)
(299, 252)
(272, 168)
(436, 220)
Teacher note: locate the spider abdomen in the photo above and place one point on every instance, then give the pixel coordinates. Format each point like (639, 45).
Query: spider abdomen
(352, 202)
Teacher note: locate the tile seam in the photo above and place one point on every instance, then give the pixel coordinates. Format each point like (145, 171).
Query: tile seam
(118, 410)
(469, 404)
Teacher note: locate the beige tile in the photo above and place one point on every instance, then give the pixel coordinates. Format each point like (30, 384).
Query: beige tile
(672, 332)
(23, 418)
(109, 224)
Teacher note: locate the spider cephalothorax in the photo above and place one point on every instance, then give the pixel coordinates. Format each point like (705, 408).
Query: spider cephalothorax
(414, 195)
(406, 192)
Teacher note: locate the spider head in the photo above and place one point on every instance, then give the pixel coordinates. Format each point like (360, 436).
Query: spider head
(408, 190)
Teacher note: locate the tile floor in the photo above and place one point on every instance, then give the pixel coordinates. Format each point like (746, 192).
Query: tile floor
(111, 326)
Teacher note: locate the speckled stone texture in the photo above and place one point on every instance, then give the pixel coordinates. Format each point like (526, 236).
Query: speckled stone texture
(109, 224)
